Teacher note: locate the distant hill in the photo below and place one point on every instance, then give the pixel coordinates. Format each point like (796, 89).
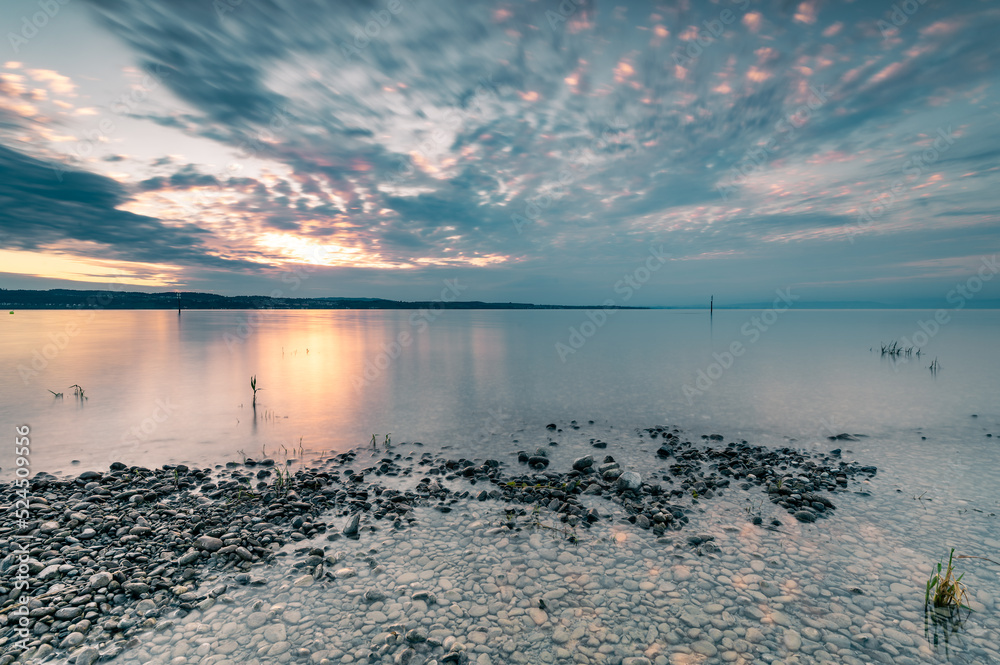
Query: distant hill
(854, 304)
(72, 299)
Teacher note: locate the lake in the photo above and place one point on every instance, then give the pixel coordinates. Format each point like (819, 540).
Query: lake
(166, 388)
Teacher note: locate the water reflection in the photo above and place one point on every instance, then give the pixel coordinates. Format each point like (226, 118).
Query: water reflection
(332, 378)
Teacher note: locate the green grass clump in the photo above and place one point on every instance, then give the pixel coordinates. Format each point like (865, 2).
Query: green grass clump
(946, 591)
(896, 350)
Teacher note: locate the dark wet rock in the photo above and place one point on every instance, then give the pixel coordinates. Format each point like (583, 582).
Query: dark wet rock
(352, 526)
(416, 636)
(86, 656)
(629, 481)
(538, 462)
(805, 516)
(209, 544)
(100, 580)
(188, 557)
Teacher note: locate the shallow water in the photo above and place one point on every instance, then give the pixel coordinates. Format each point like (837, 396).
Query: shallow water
(848, 589)
(167, 388)
(485, 384)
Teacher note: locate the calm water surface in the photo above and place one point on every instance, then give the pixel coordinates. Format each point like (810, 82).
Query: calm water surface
(166, 388)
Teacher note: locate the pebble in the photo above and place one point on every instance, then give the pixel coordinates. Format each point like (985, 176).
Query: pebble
(538, 616)
(474, 585)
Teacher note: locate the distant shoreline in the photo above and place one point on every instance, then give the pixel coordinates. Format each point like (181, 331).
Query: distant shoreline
(70, 299)
(62, 299)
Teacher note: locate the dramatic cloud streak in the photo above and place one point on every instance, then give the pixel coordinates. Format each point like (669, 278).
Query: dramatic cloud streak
(539, 149)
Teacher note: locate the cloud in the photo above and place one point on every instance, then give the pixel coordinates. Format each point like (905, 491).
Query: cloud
(58, 83)
(415, 138)
(806, 13)
(187, 178)
(39, 210)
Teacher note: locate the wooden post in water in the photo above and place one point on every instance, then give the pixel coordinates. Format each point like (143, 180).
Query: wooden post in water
(178, 303)
(711, 307)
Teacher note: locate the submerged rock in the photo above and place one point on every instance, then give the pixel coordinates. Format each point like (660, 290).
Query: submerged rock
(629, 481)
(352, 526)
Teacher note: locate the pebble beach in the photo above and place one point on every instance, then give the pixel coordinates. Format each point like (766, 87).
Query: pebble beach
(684, 550)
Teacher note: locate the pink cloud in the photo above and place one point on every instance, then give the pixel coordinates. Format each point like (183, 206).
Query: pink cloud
(58, 84)
(940, 28)
(690, 33)
(752, 21)
(806, 12)
(832, 30)
(765, 54)
(624, 70)
(887, 72)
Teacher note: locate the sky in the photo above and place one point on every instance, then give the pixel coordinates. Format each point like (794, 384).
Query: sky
(548, 151)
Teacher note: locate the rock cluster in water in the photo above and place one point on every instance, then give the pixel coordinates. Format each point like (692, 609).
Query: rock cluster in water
(794, 480)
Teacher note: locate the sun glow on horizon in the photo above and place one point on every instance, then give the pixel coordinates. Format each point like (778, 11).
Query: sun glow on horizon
(53, 265)
(293, 249)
